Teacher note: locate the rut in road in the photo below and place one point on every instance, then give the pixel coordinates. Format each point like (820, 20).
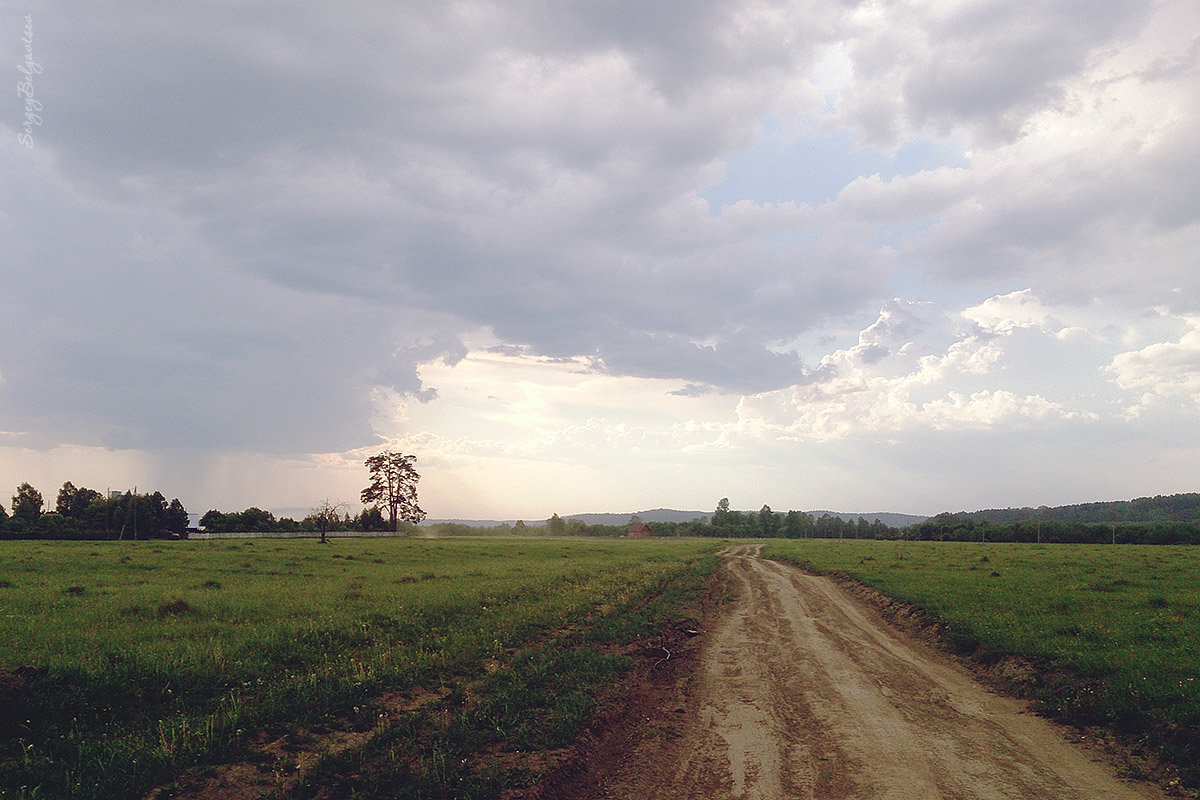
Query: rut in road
(803, 692)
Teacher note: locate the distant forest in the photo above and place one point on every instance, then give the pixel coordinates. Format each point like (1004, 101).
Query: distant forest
(1163, 519)
(1173, 519)
(81, 513)
(724, 523)
(1161, 508)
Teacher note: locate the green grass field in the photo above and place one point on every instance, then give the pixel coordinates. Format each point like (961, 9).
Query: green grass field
(124, 664)
(1114, 631)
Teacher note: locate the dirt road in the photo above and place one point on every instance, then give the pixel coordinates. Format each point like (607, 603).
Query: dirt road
(804, 692)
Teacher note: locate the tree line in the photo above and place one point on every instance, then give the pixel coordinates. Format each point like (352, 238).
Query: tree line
(765, 523)
(966, 528)
(724, 523)
(1159, 520)
(83, 513)
(392, 489)
(256, 520)
(1158, 509)
(391, 505)
(768, 524)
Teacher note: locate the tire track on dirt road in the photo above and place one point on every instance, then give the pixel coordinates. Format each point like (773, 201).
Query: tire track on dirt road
(803, 692)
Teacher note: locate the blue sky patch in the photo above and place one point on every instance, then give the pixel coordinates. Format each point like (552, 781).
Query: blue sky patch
(812, 169)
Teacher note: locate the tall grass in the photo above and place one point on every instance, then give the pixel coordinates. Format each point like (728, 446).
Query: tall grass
(122, 664)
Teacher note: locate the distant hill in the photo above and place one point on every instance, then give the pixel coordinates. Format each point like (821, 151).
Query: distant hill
(1160, 508)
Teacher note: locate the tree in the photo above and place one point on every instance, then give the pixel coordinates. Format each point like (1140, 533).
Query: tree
(73, 502)
(176, 518)
(328, 516)
(555, 525)
(214, 521)
(138, 515)
(796, 524)
(394, 487)
(157, 506)
(27, 505)
(66, 496)
(371, 519)
(256, 519)
(720, 518)
(768, 523)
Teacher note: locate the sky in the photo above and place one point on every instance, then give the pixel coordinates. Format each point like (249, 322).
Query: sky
(602, 256)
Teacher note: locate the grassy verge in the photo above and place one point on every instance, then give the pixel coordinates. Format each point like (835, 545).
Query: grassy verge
(123, 666)
(499, 732)
(1112, 632)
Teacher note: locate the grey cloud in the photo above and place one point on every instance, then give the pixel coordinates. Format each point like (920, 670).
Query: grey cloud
(681, 45)
(169, 89)
(1083, 226)
(1174, 68)
(1168, 186)
(738, 363)
(988, 65)
(123, 328)
(999, 56)
(140, 379)
(873, 353)
(693, 390)
(244, 219)
(398, 372)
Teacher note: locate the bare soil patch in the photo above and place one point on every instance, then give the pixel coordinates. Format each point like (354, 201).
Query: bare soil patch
(803, 690)
(646, 715)
(277, 761)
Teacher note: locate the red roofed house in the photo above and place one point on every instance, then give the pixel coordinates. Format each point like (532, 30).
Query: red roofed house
(638, 530)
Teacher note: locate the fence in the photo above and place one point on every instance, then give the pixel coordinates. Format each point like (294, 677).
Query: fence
(293, 534)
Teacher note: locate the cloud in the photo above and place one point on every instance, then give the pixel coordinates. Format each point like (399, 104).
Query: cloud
(1006, 313)
(241, 232)
(692, 390)
(987, 66)
(896, 380)
(494, 404)
(407, 175)
(1163, 371)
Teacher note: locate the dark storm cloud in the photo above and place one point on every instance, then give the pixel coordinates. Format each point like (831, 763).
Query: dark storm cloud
(244, 217)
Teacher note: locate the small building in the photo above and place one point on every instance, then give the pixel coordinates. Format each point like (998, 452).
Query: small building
(638, 530)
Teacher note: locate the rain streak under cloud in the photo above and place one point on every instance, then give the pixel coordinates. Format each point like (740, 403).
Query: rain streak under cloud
(589, 256)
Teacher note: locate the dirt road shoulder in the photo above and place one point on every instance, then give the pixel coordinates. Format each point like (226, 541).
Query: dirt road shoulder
(804, 691)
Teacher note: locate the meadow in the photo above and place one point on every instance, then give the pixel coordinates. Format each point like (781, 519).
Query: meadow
(1111, 633)
(128, 666)
(438, 666)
